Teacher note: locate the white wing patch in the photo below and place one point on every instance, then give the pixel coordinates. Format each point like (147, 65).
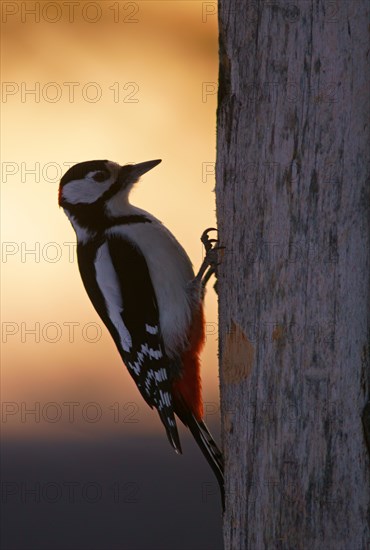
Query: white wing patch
(171, 271)
(107, 280)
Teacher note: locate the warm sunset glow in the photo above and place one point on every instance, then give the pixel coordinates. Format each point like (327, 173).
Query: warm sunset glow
(129, 91)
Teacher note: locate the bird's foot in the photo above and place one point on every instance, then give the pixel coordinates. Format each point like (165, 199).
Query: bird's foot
(211, 259)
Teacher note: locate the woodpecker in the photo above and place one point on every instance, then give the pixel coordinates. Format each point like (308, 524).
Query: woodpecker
(142, 284)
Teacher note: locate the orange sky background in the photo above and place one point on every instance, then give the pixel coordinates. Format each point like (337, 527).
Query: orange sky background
(156, 73)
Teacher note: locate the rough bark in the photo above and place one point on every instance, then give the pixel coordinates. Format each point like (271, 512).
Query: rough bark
(293, 212)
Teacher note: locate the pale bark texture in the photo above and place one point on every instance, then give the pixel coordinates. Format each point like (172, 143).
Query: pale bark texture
(293, 212)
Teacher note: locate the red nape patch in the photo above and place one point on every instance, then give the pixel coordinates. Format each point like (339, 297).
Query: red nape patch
(189, 386)
(59, 194)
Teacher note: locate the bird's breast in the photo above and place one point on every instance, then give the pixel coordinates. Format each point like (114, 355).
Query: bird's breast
(171, 273)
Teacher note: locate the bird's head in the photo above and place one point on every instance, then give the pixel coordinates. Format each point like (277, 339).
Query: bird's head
(101, 185)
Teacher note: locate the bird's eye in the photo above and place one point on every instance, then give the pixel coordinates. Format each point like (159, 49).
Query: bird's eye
(100, 176)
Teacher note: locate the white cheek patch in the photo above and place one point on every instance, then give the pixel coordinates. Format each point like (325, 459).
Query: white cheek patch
(85, 191)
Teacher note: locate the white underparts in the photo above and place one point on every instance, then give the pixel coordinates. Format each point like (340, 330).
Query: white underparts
(171, 272)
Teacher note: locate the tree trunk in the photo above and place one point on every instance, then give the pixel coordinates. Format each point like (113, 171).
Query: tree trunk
(292, 205)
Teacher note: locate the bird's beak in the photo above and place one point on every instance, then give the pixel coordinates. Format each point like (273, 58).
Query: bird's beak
(143, 167)
(132, 172)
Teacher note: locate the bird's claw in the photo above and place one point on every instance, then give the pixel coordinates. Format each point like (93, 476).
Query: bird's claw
(211, 259)
(207, 242)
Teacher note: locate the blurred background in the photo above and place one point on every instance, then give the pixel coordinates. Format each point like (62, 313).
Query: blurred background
(84, 462)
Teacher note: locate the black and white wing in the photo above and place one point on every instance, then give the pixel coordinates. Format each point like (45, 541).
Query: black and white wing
(117, 280)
